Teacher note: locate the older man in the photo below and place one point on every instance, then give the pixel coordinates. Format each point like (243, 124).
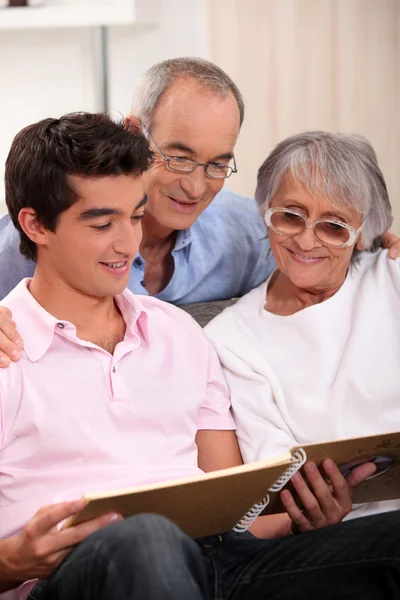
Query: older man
(192, 250)
(200, 242)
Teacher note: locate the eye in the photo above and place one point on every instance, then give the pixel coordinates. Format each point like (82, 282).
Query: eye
(218, 167)
(179, 158)
(101, 227)
(334, 226)
(288, 216)
(182, 160)
(137, 217)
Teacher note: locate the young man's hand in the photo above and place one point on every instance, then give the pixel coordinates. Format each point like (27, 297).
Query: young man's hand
(322, 503)
(40, 547)
(10, 340)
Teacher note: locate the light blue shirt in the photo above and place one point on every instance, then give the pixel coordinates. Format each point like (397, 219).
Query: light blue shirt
(224, 254)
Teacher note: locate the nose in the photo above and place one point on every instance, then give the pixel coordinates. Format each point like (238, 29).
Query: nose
(128, 240)
(194, 184)
(307, 239)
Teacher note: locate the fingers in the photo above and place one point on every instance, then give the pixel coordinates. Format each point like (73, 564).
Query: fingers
(322, 503)
(6, 312)
(340, 489)
(8, 351)
(42, 547)
(10, 341)
(43, 527)
(319, 505)
(72, 536)
(299, 519)
(48, 517)
(4, 361)
(390, 240)
(360, 474)
(51, 562)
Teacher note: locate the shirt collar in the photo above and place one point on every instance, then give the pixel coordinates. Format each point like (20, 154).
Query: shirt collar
(183, 238)
(37, 327)
(135, 315)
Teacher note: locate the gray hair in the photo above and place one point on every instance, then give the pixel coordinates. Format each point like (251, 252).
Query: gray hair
(342, 168)
(156, 80)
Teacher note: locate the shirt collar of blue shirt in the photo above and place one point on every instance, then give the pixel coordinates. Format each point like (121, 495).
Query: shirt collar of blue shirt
(183, 240)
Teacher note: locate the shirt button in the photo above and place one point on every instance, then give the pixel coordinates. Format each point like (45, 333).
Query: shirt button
(113, 369)
(142, 283)
(137, 262)
(60, 325)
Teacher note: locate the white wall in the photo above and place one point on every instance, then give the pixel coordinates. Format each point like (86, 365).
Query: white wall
(312, 64)
(50, 72)
(301, 64)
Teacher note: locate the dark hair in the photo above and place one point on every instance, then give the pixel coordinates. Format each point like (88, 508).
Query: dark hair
(43, 155)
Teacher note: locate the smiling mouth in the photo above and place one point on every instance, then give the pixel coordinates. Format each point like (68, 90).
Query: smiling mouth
(117, 268)
(305, 258)
(184, 202)
(115, 265)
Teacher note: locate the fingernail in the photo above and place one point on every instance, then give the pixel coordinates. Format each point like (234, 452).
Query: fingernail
(77, 505)
(19, 343)
(310, 467)
(16, 354)
(328, 464)
(4, 362)
(115, 517)
(394, 253)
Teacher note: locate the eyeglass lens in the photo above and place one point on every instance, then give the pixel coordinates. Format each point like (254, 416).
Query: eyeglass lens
(332, 234)
(185, 165)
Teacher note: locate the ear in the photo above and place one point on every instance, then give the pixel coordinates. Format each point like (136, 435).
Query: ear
(359, 245)
(132, 122)
(30, 225)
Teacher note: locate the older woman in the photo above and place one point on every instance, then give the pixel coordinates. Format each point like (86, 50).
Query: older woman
(314, 353)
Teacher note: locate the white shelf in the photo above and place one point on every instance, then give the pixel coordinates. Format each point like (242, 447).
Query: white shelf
(122, 12)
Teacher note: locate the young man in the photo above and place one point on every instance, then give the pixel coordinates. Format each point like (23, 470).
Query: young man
(93, 353)
(115, 390)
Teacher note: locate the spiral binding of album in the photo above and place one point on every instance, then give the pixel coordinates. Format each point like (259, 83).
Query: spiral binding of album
(299, 458)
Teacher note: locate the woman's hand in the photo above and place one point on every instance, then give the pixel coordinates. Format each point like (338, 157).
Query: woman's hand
(322, 503)
(11, 343)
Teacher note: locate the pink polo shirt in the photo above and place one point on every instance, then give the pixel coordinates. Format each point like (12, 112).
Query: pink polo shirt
(75, 419)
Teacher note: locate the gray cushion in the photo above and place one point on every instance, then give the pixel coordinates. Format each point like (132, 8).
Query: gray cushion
(203, 312)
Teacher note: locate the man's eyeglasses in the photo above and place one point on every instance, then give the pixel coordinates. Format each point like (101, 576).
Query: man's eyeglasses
(182, 164)
(328, 231)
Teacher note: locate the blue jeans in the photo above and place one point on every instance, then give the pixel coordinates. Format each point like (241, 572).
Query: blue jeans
(148, 557)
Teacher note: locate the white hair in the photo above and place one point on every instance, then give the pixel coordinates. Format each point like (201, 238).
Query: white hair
(156, 80)
(342, 168)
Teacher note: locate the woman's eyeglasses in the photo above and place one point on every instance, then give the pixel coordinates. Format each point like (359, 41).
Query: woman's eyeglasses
(328, 231)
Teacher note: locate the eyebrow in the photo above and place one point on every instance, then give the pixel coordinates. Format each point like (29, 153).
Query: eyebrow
(142, 202)
(95, 213)
(337, 214)
(175, 145)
